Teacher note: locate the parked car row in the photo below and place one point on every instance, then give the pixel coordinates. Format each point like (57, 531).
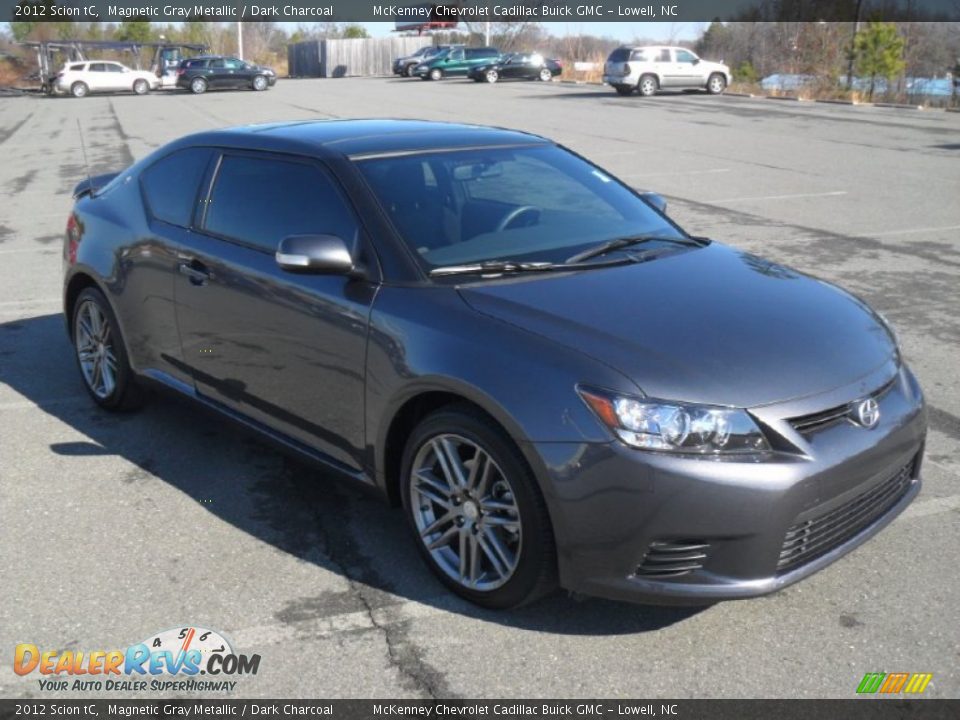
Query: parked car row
(197, 75)
(644, 70)
(483, 64)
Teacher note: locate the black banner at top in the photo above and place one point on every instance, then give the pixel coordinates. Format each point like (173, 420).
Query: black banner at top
(414, 11)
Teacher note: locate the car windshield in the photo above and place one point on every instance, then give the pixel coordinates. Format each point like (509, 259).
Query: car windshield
(536, 203)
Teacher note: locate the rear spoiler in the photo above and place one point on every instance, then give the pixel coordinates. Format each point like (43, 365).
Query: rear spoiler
(90, 185)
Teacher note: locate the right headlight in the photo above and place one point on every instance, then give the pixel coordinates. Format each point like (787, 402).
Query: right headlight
(676, 427)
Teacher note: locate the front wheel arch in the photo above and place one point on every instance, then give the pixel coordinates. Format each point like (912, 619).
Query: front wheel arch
(408, 411)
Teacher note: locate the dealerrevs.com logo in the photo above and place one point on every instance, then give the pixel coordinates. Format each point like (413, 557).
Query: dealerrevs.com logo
(168, 661)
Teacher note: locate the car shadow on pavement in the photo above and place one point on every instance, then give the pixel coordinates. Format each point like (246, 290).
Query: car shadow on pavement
(290, 505)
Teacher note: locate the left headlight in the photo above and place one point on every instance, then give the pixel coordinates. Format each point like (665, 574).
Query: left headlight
(676, 427)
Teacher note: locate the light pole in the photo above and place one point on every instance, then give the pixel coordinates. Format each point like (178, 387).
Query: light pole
(240, 39)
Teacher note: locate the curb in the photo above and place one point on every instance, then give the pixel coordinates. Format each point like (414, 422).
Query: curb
(956, 109)
(737, 94)
(901, 106)
(839, 102)
(795, 98)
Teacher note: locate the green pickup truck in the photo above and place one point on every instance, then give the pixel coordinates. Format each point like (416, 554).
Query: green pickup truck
(455, 62)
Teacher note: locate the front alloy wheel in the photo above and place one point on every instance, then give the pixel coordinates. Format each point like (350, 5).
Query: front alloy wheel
(198, 85)
(716, 84)
(491, 76)
(465, 512)
(546, 75)
(259, 83)
(435, 74)
(473, 505)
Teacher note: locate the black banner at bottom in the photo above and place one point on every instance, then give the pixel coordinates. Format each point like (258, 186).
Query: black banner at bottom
(854, 709)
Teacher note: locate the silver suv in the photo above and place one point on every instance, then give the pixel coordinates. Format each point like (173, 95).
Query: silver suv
(647, 69)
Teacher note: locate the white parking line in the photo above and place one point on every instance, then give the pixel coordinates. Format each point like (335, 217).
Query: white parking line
(30, 404)
(36, 250)
(910, 231)
(37, 301)
(835, 193)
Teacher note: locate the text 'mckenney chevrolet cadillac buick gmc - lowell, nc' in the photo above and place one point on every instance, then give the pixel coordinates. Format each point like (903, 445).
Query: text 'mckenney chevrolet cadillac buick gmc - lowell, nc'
(556, 383)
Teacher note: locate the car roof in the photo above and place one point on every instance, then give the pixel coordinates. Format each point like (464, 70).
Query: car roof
(361, 138)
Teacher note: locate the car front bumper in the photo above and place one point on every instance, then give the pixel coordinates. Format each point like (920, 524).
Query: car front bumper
(657, 528)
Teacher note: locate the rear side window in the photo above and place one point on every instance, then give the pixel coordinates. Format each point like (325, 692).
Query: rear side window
(78, 67)
(619, 55)
(170, 185)
(260, 201)
(98, 67)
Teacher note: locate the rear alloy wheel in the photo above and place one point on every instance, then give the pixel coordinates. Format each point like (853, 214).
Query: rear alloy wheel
(623, 89)
(79, 89)
(435, 74)
(101, 354)
(647, 85)
(141, 87)
(716, 84)
(546, 75)
(491, 76)
(478, 517)
(409, 70)
(198, 86)
(259, 83)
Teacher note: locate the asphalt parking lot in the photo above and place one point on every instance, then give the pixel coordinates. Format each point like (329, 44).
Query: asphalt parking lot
(115, 527)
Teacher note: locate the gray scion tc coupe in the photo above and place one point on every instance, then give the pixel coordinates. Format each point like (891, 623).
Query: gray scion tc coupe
(557, 383)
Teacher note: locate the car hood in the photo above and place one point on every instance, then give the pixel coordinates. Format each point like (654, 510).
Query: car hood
(711, 325)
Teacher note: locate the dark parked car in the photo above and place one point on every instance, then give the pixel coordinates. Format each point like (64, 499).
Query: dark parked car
(455, 62)
(405, 65)
(555, 381)
(200, 74)
(517, 66)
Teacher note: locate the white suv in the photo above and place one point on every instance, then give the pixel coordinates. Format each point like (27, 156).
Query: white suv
(647, 69)
(81, 78)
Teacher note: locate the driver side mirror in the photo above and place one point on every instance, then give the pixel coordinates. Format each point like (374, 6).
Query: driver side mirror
(320, 254)
(658, 202)
(696, 61)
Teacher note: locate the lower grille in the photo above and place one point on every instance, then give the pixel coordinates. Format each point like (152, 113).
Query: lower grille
(811, 539)
(672, 559)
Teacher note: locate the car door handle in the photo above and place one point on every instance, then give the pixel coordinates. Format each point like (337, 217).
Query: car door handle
(196, 271)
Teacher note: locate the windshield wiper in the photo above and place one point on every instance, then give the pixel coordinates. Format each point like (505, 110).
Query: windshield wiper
(622, 242)
(502, 267)
(493, 267)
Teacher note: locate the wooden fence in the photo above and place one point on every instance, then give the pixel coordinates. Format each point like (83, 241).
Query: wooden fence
(349, 57)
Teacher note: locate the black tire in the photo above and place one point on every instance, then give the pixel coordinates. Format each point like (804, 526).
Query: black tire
(623, 89)
(716, 84)
(648, 85)
(198, 86)
(491, 76)
(79, 89)
(127, 393)
(435, 74)
(535, 573)
(408, 71)
(546, 75)
(260, 83)
(141, 87)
